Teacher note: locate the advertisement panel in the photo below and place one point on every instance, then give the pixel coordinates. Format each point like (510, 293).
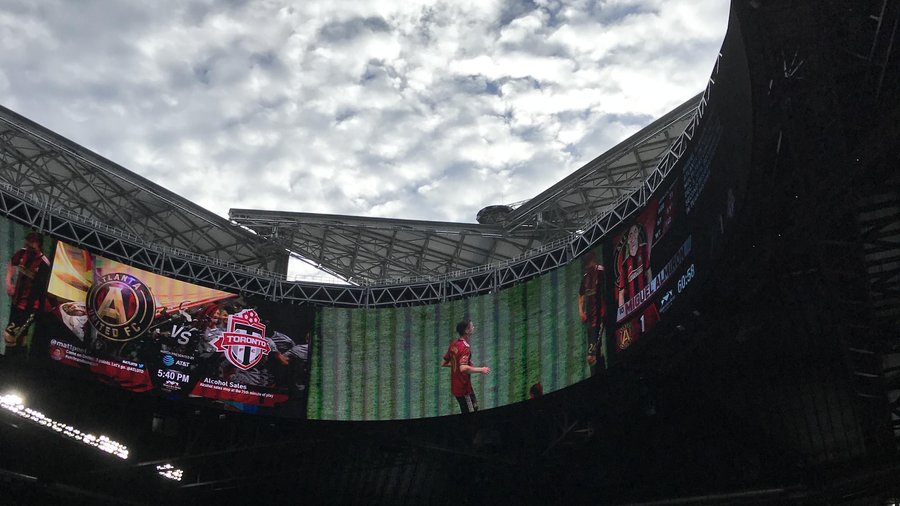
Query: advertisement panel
(389, 363)
(147, 332)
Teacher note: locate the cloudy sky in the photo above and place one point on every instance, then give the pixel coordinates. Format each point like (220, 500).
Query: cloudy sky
(405, 109)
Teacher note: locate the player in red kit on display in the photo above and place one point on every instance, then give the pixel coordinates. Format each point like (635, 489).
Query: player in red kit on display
(592, 309)
(26, 274)
(632, 263)
(633, 275)
(458, 359)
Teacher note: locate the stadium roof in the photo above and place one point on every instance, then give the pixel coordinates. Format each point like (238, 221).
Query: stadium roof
(365, 249)
(56, 172)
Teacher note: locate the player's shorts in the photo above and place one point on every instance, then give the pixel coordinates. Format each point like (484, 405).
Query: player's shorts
(468, 403)
(19, 321)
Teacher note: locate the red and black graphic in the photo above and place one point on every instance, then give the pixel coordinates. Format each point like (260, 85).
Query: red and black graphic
(633, 270)
(145, 332)
(646, 261)
(631, 330)
(592, 308)
(120, 307)
(243, 343)
(26, 279)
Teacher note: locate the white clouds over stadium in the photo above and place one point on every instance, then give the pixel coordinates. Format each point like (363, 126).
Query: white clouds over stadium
(413, 109)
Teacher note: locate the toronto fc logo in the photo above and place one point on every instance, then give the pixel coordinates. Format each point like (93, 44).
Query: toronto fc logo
(120, 307)
(242, 342)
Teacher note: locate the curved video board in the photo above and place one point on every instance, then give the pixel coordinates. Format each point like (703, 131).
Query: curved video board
(377, 358)
(675, 240)
(385, 363)
(146, 332)
(378, 364)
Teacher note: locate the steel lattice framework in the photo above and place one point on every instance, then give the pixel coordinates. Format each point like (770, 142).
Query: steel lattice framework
(373, 250)
(59, 188)
(38, 210)
(786, 384)
(62, 174)
(363, 250)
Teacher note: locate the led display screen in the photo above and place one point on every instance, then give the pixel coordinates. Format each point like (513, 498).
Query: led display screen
(537, 336)
(147, 332)
(644, 264)
(659, 255)
(26, 259)
(375, 364)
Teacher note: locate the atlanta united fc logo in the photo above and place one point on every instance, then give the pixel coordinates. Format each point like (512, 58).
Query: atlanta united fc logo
(120, 307)
(624, 336)
(243, 341)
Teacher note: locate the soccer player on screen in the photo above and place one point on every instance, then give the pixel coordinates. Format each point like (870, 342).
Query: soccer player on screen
(459, 359)
(592, 308)
(632, 263)
(26, 275)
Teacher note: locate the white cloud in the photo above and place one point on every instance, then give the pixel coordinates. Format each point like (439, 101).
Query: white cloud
(416, 109)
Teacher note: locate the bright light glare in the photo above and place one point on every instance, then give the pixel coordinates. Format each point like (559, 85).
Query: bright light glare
(13, 398)
(15, 404)
(169, 471)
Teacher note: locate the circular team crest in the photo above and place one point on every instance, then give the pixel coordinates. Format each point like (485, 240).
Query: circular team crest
(120, 307)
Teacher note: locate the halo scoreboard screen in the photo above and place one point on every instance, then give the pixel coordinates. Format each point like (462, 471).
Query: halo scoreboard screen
(147, 332)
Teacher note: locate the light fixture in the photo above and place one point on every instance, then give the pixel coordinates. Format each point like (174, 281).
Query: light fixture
(169, 471)
(15, 404)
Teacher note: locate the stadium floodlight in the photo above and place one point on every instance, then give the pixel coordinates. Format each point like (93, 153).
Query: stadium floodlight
(170, 472)
(12, 398)
(15, 403)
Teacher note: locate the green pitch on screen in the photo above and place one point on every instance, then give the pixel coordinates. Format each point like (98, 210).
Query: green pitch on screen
(381, 364)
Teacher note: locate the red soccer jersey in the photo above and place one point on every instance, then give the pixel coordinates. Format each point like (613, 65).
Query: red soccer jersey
(27, 264)
(592, 291)
(458, 355)
(632, 271)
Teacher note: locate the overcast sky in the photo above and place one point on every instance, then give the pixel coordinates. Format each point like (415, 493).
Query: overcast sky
(404, 109)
